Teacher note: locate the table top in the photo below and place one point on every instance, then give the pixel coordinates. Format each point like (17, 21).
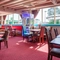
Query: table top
(34, 29)
(55, 41)
(2, 32)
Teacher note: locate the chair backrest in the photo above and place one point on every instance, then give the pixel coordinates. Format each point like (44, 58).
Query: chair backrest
(6, 34)
(56, 32)
(42, 31)
(52, 49)
(48, 35)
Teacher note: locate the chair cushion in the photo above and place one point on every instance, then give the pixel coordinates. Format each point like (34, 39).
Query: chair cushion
(55, 50)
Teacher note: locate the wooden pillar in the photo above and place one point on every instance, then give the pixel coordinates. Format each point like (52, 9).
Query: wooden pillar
(54, 15)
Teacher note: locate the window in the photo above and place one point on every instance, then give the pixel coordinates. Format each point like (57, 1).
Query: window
(57, 14)
(16, 19)
(38, 18)
(13, 19)
(48, 15)
(20, 19)
(7, 19)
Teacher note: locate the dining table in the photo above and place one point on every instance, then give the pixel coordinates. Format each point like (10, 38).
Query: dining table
(2, 32)
(35, 34)
(55, 41)
(35, 30)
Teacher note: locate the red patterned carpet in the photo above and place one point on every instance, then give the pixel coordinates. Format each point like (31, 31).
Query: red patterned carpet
(22, 50)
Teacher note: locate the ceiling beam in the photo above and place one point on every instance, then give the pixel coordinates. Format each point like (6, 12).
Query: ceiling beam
(18, 6)
(4, 13)
(5, 9)
(14, 2)
(39, 7)
(10, 2)
(21, 3)
(3, 1)
(54, 2)
(25, 2)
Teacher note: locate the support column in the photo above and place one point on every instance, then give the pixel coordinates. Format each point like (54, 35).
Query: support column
(13, 18)
(30, 18)
(18, 19)
(8, 18)
(42, 15)
(1, 20)
(54, 15)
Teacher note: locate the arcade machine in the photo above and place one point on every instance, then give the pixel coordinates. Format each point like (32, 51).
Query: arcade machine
(26, 19)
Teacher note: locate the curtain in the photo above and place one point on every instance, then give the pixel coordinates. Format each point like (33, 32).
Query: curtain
(35, 12)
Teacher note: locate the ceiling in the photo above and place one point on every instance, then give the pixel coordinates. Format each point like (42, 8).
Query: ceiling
(16, 6)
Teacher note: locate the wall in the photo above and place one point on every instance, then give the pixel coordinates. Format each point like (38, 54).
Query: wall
(17, 27)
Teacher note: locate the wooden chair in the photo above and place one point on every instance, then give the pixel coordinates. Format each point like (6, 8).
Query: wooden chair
(52, 50)
(42, 35)
(34, 37)
(56, 33)
(26, 35)
(4, 39)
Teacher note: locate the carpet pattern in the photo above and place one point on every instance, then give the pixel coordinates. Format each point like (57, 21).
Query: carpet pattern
(22, 50)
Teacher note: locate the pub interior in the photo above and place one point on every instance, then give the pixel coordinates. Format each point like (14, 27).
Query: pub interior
(30, 30)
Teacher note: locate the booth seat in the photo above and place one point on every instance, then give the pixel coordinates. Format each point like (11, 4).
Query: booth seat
(16, 28)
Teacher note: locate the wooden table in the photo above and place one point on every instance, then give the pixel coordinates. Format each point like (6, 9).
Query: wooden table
(35, 34)
(2, 32)
(35, 30)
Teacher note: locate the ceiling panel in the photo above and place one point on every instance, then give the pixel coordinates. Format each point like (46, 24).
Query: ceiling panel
(19, 5)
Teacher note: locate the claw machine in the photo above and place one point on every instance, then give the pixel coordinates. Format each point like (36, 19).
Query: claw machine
(26, 19)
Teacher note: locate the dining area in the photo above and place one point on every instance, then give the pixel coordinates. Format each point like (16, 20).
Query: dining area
(30, 30)
(45, 35)
(53, 44)
(36, 35)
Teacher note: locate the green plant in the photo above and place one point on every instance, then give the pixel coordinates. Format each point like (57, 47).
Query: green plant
(51, 22)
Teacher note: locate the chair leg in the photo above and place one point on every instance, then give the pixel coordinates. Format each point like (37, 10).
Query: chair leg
(0, 45)
(33, 38)
(23, 38)
(40, 41)
(51, 57)
(48, 57)
(7, 44)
